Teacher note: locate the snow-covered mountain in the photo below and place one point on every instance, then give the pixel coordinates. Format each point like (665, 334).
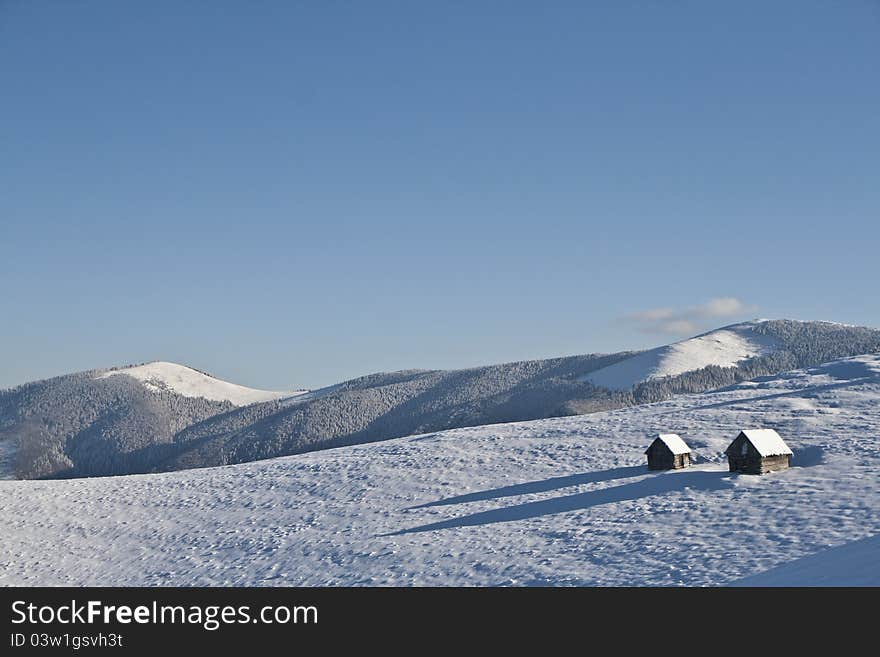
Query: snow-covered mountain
(724, 347)
(189, 382)
(564, 501)
(162, 416)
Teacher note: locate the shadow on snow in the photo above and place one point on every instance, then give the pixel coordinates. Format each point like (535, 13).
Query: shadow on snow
(541, 486)
(657, 484)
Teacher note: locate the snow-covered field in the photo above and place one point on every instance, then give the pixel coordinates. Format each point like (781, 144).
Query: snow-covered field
(564, 501)
(192, 383)
(723, 347)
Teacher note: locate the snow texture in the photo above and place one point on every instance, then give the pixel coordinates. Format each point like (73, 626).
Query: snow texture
(724, 347)
(851, 564)
(192, 383)
(674, 442)
(767, 442)
(564, 501)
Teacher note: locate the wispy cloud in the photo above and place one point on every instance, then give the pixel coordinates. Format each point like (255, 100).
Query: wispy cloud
(723, 307)
(670, 321)
(656, 315)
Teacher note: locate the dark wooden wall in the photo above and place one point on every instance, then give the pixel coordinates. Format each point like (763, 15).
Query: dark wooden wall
(752, 462)
(661, 458)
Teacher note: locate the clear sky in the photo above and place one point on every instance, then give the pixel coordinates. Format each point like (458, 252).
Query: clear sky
(292, 193)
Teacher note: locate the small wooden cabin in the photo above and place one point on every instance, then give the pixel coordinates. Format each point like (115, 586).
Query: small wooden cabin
(668, 452)
(757, 451)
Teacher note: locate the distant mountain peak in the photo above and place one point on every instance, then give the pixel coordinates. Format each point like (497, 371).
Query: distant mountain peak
(190, 382)
(725, 347)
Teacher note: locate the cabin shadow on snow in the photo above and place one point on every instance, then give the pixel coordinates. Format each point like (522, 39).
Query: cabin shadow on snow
(658, 484)
(540, 486)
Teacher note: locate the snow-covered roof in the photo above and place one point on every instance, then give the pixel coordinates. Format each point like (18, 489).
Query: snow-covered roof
(767, 442)
(674, 442)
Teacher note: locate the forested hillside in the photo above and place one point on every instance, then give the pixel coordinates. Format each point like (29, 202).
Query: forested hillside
(91, 424)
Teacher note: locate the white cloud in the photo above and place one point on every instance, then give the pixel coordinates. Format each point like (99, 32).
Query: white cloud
(654, 315)
(678, 327)
(688, 321)
(722, 307)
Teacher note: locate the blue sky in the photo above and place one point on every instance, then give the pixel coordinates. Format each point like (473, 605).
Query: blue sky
(289, 194)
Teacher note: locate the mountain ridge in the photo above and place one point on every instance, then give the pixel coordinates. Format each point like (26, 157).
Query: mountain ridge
(96, 424)
(190, 382)
(726, 346)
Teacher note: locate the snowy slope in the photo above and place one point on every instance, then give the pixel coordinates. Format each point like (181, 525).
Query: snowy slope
(192, 383)
(850, 564)
(724, 347)
(564, 501)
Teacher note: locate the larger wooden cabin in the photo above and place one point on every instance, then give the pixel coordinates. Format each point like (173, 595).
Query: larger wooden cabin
(668, 452)
(758, 451)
